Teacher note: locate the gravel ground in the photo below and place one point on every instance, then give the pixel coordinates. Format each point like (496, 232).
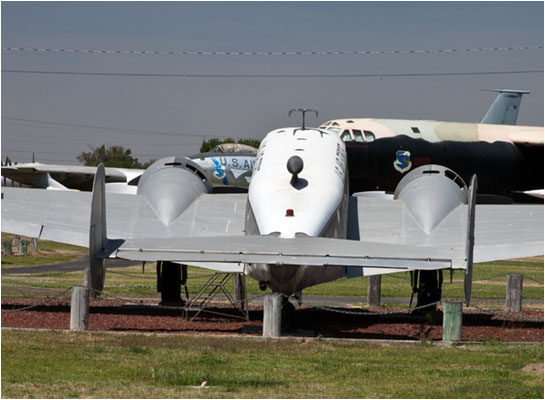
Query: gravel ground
(115, 315)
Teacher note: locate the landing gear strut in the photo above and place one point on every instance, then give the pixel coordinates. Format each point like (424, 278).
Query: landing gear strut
(428, 287)
(170, 278)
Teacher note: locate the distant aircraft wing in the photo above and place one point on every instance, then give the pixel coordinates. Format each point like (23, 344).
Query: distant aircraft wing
(72, 176)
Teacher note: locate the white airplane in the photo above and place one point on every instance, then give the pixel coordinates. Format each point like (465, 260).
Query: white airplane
(503, 111)
(296, 227)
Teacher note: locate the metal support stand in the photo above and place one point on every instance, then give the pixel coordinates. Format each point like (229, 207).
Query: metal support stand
(213, 287)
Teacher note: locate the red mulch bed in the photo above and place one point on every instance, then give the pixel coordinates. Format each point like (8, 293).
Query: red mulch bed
(114, 315)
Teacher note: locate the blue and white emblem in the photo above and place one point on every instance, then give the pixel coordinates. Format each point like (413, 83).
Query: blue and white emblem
(403, 163)
(219, 171)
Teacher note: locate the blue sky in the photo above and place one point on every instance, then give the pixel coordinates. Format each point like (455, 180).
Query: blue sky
(58, 116)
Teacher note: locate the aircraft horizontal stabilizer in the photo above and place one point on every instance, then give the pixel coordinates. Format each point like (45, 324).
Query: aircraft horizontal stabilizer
(313, 251)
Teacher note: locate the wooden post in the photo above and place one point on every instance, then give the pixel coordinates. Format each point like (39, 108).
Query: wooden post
(373, 291)
(79, 309)
(513, 293)
(452, 320)
(240, 287)
(272, 315)
(240, 292)
(34, 245)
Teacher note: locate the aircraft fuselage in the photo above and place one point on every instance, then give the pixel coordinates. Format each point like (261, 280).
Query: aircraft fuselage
(313, 203)
(501, 167)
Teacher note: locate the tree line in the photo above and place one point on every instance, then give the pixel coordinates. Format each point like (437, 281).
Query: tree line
(120, 157)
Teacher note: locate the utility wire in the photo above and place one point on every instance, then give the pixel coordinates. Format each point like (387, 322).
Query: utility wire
(374, 75)
(270, 53)
(103, 128)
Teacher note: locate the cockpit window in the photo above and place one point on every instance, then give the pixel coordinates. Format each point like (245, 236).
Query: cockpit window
(358, 137)
(334, 124)
(345, 136)
(369, 136)
(334, 130)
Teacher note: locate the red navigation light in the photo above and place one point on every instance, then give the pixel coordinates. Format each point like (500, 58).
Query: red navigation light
(289, 212)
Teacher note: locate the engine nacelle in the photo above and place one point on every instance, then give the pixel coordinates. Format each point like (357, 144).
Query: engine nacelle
(171, 184)
(448, 189)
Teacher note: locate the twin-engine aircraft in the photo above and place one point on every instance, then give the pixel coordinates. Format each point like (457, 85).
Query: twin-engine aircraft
(296, 227)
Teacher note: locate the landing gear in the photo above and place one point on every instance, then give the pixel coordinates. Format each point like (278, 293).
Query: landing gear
(428, 287)
(170, 278)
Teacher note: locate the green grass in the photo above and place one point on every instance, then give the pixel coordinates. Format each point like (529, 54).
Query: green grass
(59, 365)
(48, 253)
(131, 280)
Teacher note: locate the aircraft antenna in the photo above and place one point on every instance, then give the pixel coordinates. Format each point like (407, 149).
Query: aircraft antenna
(303, 111)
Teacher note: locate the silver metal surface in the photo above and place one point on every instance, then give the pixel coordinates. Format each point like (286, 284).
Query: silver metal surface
(295, 251)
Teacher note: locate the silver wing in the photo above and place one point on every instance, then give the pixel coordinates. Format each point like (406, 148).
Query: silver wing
(65, 216)
(501, 231)
(383, 232)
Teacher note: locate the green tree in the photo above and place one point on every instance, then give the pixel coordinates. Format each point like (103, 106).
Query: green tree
(111, 156)
(208, 145)
(250, 142)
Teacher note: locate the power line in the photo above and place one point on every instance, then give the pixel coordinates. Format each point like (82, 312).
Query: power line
(134, 131)
(30, 152)
(374, 75)
(37, 153)
(270, 53)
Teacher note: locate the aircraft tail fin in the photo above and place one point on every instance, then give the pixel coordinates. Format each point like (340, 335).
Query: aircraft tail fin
(100, 247)
(505, 109)
(94, 275)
